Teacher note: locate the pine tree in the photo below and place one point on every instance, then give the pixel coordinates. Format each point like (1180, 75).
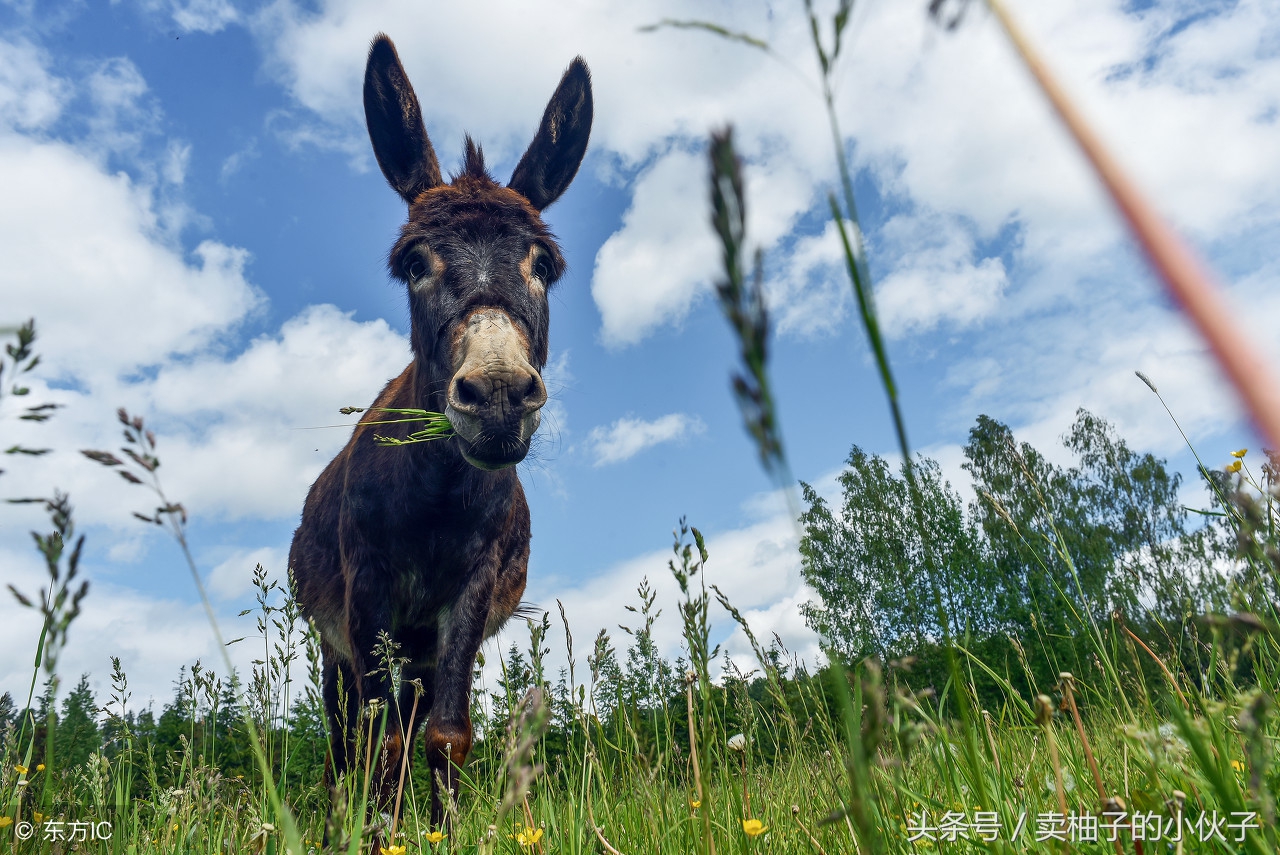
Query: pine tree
(606, 677)
(516, 679)
(78, 735)
(175, 720)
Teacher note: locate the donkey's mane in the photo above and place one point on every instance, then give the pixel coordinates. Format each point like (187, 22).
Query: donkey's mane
(473, 166)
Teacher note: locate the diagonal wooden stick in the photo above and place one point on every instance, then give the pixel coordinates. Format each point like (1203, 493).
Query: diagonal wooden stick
(1188, 279)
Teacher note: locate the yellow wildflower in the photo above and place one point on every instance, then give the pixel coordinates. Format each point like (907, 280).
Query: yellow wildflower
(21, 770)
(754, 827)
(528, 836)
(175, 826)
(1241, 453)
(435, 836)
(39, 767)
(393, 850)
(1237, 765)
(1233, 466)
(695, 803)
(39, 817)
(6, 821)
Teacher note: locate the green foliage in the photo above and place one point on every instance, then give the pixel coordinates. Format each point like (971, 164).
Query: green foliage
(1027, 573)
(78, 735)
(868, 565)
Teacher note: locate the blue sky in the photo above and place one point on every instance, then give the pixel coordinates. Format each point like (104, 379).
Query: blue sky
(190, 209)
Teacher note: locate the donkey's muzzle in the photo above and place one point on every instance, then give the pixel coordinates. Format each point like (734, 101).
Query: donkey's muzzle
(494, 398)
(495, 415)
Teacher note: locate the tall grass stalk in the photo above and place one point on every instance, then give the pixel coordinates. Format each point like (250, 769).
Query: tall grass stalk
(1188, 279)
(140, 448)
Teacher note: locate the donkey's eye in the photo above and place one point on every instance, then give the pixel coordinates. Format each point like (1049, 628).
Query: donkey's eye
(542, 268)
(415, 268)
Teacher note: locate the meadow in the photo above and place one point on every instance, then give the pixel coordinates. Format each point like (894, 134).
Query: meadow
(1119, 693)
(1101, 742)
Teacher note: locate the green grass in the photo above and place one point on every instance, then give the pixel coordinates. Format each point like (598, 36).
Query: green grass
(834, 761)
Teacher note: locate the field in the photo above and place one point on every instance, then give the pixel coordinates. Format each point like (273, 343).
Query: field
(627, 752)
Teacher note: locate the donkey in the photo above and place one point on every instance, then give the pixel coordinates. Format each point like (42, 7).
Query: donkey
(429, 543)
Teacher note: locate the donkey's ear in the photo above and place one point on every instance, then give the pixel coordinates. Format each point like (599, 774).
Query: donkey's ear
(556, 152)
(395, 123)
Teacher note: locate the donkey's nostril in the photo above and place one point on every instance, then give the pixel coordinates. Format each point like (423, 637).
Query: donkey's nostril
(470, 391)
(518, 391)
(534, 394)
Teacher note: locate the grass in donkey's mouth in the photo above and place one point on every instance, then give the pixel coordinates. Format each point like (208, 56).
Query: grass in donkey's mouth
(436, 425)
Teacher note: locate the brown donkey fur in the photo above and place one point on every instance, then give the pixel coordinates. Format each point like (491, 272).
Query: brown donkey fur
(429, 543)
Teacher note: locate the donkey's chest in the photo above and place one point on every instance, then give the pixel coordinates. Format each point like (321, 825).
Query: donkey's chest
(429, 563)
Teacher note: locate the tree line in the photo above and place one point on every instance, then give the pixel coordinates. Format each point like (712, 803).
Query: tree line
(1045, 556)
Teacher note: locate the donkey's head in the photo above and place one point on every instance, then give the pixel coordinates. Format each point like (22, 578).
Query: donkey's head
(477, 258)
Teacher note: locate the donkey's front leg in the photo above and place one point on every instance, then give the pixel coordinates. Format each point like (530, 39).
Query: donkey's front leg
(369, 597)
(448, 733)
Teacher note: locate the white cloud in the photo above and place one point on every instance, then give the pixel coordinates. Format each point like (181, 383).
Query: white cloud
(126, 317)
(195, 16)
(956, 124)
(651, 270)
(253, 438)
(109, 295)
(176, 161)
(88, 255)
(935, 279)
(237, 160)
(808, 291)
(242, 437)
(628, 436)
(204, 16)
(122, 113)
(30, 97)
(232, 578)
(950, 125)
